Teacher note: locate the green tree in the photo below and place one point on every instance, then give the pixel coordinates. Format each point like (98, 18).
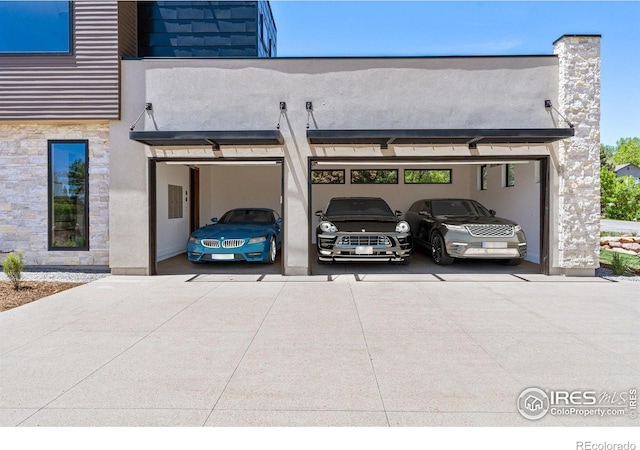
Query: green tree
(627, 151)
(606, 157)
(620, 198)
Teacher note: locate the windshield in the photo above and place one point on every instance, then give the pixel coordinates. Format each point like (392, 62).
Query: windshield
(458, 208)
(359, 207)
(248, 216)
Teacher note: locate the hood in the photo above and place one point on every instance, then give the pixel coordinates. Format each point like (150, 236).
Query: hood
(367, 223)
(478, 220)
(231, 231)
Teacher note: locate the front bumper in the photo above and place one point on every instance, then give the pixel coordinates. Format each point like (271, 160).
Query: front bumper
(248, 252)
(346, 247)
(463, 245)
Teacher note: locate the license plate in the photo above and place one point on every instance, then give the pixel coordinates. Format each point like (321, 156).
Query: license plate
(494, 245)
(364, 250)
(223, 256)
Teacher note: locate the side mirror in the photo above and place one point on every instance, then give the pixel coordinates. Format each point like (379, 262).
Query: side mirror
(279, 220)
(398, 213)
(425, 213)
(214, 220)
(319, 213)
(492, 212)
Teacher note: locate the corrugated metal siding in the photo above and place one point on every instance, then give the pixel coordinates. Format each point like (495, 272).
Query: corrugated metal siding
(83, 85)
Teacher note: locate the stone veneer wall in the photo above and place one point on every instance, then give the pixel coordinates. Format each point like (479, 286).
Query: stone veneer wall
(24, 193)
(579, 157)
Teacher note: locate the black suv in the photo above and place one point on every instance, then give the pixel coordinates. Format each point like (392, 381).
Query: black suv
(362, 229)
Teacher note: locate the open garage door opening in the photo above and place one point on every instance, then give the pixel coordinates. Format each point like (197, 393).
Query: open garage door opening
(205, 214)
(447, 239)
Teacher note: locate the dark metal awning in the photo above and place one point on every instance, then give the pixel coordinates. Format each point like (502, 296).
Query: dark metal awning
(207, 138)
(439, 136)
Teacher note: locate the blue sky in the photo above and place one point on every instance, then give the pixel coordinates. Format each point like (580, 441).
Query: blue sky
(425, 28)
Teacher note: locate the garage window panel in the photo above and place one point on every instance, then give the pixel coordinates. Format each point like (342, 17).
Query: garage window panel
(509, 175)
(327, 176)
(427, 176)
(482, 178)
(374, 176)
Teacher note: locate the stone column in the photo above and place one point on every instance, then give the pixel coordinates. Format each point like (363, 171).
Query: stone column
(579, 157)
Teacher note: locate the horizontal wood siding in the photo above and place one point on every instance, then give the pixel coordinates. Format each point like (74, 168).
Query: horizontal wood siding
(83, 85)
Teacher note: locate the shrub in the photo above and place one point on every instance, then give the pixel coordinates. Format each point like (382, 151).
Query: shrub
(618, 264)
(12, 267)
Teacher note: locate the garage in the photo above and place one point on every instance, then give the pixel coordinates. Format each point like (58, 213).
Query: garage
(436, 126)
(188, 194)
(513, 187)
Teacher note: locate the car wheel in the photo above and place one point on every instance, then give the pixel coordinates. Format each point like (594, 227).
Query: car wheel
(406, 261)
(439, 250)
(271, 256)
(511, 262)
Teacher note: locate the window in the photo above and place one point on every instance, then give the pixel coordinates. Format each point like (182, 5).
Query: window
(429, 176)
(510, 175)
(175, 202)
(68, 195)
(35, 27)
(374, 176)
(482, 178)
(327, 176)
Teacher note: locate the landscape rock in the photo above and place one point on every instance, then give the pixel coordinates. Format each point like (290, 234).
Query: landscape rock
(625, 251)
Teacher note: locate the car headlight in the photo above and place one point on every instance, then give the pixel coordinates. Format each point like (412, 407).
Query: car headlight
(194, 240)
(402, 227)
(328, 227)
(257, 240)
(517, 228)
(456, 227)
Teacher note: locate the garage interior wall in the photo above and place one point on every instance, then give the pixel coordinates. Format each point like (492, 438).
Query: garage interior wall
(172, 233)
(224, 187)
(520, 203)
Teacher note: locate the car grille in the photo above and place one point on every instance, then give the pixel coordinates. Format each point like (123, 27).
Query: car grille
(490, 231)
(211, 243)
(232, 243)
(364, 239)
(227, 243)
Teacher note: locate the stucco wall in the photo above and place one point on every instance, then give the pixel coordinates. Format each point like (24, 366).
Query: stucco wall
(172, 233)
(365, 93)
(24, 192)
(520, 203)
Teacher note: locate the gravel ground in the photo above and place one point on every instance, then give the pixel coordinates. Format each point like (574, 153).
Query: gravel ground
(72, 276)
(607, 273)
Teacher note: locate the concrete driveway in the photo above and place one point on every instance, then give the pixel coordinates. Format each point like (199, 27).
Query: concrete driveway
(220, 351)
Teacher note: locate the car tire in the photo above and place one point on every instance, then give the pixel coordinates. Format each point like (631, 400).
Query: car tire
(271, 256)
(439, 250)
(511, 262)
(406, 261)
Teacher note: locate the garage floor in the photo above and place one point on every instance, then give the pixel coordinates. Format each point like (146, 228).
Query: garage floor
(420, 264)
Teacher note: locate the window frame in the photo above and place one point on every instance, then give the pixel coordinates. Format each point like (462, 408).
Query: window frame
(404, 178)
(483, 178)
(371, 170)
(50, 194)
(70, 42)
(344, 176)
(509, 181)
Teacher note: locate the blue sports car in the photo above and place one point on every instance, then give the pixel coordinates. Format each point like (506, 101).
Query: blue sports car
(245, 234)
